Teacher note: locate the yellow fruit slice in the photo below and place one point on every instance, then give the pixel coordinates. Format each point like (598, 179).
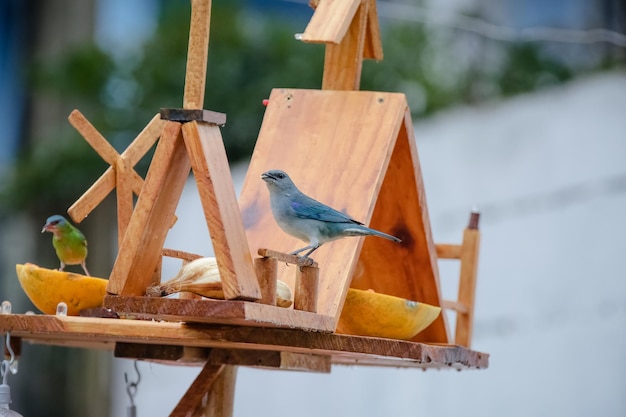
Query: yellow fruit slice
(366, 313)
(48, 287)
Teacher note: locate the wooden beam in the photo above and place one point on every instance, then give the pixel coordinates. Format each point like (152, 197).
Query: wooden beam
(140, 251)
(448, 251)
(103, 333)
(124, 194)
(220, 399)
(373, 48)
(196, 393)
(107, 182)
(343, 61)
(287, 257)
(467, 282)
(197, 54)
(219, 202)
(331, 21)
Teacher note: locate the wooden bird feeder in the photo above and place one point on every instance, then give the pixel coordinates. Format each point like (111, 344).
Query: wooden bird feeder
(351, 149)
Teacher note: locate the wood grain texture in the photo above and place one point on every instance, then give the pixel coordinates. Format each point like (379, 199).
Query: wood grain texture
(197, 54)
(401, 210)
(103, 333)
(306, 288)
(467, 286)
(219, 203)
(373, 48)
(221, 398)
(212, 311)
(330, 21)
(194, 396)
(140, 252)
(343, 61)
(348, 150)
(267, 272)
(108, 181)
(124, 194)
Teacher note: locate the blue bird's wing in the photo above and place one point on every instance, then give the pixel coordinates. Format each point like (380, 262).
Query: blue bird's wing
(312, 209)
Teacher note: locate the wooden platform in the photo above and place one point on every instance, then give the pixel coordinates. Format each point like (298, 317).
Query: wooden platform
(101, 333)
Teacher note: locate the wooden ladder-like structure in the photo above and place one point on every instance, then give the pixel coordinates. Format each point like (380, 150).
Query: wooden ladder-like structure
(352, 149)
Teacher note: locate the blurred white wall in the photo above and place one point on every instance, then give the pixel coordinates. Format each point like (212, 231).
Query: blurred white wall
(548, 172)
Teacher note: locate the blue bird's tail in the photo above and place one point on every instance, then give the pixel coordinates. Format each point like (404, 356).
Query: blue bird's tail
(366, 231)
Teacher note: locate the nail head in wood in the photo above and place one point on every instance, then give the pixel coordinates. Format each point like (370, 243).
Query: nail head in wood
(190, 115)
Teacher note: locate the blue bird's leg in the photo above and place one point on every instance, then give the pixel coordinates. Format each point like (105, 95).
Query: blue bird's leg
(311, 248)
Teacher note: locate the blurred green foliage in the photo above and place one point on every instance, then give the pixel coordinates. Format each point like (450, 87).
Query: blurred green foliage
(249, 55)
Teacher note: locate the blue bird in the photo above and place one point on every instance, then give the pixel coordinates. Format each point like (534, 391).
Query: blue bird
(307, 219)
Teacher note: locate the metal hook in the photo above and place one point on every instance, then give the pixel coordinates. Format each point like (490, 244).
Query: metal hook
(131, 387)
(6, 364)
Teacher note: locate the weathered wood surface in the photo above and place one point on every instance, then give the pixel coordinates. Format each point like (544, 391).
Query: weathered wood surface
(190, 115)
(349, 149)
(287, 257)
(180, 355)
(104, 333)
(219, 203)
(218, 312)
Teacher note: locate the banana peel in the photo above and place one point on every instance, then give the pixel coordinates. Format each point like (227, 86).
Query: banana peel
(367, 313)
(48, 287)
(202, 277)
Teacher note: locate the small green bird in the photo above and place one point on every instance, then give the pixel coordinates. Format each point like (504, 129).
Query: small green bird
(69, 242)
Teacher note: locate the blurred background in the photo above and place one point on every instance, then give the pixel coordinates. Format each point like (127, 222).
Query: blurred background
(518, 111)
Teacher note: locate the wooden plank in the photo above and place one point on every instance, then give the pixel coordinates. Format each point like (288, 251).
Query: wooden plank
(373, 48)
(219, 203)
(448, 251)
(103, 333)
(343, 61)
(190, 115)
(124, 194)
(269, 359)
(330, 21)
(194, 396)
(408, 219)
(467, 282)
(218, 312)
(220, 400)
(286, 257)
(140, 251)
(179, 254)
(197, 54)
(455, 305)
(107, 181)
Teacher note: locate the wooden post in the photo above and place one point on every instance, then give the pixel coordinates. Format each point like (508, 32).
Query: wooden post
(467, 281)
(305, 294)
(140, 251)
(197, 54)
(210, 394)
(221, 211)
(267, 274)
(343, 62)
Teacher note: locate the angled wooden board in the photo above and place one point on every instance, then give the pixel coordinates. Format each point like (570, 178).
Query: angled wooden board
(337, 147)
